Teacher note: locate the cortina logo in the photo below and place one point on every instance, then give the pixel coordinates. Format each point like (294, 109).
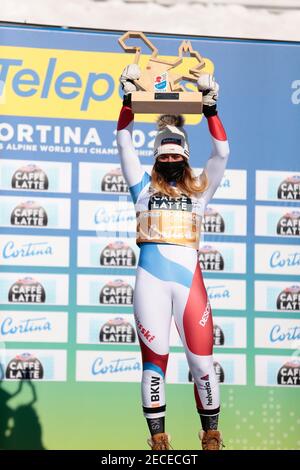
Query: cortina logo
(218, 292)
(26, 250)
(116, 366)
(291, 334)
(11, 327)
(277, 259)
(104, 217)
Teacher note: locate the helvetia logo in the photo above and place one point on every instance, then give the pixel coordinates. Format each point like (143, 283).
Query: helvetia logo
(289, 373)
(27, 290)
(219, 338)
(117, 330)
(289, 299)
(29, 214)
(289, 189)
(30, 177)
(219, 372)
(210, 259)
(114, 182)
(24, 367)
(116, 292)
(118, 253)
(289, 224)
(213, 222)
(207, 388)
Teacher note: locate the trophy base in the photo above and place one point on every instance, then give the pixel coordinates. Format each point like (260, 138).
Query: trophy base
(170, 102)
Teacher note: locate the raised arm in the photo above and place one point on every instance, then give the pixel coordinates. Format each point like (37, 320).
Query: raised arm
(130, 162)
(131, 166)
(217, 162)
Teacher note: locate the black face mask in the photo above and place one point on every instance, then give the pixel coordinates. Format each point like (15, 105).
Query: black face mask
(171, 171)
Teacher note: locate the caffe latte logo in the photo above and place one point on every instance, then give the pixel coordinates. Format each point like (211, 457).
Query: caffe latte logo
(219, 338)
(289, 189)
(289, 224)
(29, 214)
(30, 177)
(116, 292)
(117, 330)
(213, 222)
(163, 202)
(24, 367)
(289, 299)
(27, 290)
(114, 182)
(289, 373)
(210, 259)
(219, 372)
(118, 253)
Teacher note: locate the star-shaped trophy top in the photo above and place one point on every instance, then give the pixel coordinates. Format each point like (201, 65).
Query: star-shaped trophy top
(157, 66)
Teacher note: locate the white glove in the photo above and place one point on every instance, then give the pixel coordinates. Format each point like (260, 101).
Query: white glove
(130, 73)
(209, 87)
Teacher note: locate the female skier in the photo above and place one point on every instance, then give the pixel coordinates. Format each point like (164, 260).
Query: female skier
(169, 207)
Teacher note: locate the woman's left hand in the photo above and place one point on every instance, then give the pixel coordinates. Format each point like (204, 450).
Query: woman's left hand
(210, 89)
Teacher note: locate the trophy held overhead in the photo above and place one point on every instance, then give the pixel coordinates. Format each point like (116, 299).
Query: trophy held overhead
(158, 89)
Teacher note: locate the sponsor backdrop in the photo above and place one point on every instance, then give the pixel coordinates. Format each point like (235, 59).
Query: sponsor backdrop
(70, 362)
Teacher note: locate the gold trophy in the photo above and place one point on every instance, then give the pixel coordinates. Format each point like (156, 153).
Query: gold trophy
(158, 89)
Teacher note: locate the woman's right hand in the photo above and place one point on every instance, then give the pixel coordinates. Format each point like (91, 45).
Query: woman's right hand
(130, 73)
